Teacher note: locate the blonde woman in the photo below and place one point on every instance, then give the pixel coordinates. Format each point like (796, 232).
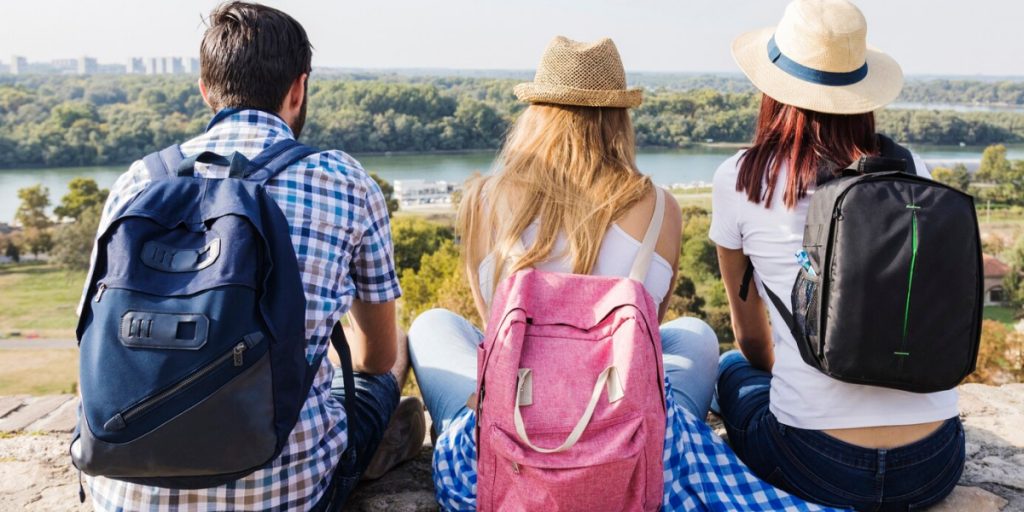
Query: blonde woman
(567, 187)
(847, 445)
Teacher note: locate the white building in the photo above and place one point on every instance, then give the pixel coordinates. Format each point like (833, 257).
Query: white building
(19, 65)
(87, 66)
(418, 192)
(135, 66)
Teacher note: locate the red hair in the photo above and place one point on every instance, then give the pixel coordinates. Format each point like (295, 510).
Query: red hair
(807, 141)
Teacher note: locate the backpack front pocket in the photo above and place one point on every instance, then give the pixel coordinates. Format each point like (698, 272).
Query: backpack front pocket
(609, 455)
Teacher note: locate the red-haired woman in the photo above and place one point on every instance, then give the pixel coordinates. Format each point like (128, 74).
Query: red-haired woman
(825, 440)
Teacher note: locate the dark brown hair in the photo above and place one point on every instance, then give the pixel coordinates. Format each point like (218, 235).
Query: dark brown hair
(251, 54)
(807, 142)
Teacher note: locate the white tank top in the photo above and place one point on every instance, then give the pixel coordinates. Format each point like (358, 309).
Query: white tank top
(616, 257)
(802, 396)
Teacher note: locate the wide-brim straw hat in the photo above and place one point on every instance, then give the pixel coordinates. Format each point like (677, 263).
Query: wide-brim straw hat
(582, 74)
(818, 58)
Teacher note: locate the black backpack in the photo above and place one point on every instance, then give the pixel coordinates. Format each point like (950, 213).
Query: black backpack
(895, 299)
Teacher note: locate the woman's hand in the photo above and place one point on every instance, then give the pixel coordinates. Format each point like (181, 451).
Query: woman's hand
(749, 318)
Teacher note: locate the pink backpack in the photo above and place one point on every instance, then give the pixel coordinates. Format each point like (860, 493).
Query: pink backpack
(571, 412)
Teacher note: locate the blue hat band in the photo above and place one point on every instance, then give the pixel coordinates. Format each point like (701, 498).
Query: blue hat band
(814, 76)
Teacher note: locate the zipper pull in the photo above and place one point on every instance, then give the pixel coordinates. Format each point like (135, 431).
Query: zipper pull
(515, 468)
(239, 350)
(81, 488)
(99, 291)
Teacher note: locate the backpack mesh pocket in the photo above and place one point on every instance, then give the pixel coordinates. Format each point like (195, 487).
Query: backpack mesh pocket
(806, 315)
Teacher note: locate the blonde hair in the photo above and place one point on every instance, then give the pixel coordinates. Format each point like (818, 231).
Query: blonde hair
(572, 168)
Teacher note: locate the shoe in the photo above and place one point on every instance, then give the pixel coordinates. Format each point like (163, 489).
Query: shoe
(402, 440)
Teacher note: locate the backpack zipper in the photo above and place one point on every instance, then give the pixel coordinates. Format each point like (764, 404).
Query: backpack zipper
(902, 353)
(237, 357)
(100, 288)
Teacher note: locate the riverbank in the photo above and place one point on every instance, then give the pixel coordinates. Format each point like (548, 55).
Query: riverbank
(665, 166)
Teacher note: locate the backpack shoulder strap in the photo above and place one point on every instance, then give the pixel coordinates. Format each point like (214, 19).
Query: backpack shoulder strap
(162, 164)
(780, 305)
(277, 158)
(642, 263)
(347, 373)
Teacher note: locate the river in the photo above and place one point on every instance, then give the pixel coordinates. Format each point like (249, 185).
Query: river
(667, 167)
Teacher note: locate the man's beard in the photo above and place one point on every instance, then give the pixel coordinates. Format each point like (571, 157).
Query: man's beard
(300, 120)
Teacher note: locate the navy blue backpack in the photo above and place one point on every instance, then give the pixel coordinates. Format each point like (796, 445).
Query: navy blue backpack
(193, 362)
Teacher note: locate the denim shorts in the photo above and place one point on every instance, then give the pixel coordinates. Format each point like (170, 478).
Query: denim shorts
(820, 468)
(376, 399)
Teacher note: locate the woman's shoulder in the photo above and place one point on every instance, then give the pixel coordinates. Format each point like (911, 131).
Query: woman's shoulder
(729, 168)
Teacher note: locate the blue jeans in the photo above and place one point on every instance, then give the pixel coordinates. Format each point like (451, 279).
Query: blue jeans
(442, 347)
(820, 468)
(376, 399)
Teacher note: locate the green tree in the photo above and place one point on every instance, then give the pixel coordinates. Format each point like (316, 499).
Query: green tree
(83, 194)
(1013, 283)
(12, 251)
(439, 283)
(73, 241)
(31, 214)
(684, 300)
(957, 177)
(994, 164)
(414, 238)
(698, 257)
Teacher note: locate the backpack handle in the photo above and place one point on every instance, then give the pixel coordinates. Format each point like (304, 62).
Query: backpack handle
(873, 164)
(236, 162)
(524, 396)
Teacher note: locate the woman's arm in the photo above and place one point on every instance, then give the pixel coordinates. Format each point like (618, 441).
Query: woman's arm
(749, 318)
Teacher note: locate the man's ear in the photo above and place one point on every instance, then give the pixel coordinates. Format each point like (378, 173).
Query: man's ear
(205, 94)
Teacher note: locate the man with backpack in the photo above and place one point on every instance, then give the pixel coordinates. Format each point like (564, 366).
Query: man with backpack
(221, 271)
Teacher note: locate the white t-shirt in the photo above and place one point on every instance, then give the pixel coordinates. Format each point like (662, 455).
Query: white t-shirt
(802, 396)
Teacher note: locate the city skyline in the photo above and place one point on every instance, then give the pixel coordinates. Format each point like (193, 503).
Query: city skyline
(928, 37)
(87, 65)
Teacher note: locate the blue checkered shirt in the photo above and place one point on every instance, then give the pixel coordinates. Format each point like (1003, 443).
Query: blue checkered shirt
(339, 227)
(701, 471)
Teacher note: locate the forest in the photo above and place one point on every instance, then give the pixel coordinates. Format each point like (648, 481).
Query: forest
(74, 121)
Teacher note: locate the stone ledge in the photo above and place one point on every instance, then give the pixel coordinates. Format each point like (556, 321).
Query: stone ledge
(35, 473)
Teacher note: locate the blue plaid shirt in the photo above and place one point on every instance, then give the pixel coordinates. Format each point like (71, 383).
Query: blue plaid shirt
(339, 227)
(701, 471)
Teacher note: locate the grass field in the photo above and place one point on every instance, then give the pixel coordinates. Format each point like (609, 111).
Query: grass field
(1001, 314)
(38, 371)
(39, 299)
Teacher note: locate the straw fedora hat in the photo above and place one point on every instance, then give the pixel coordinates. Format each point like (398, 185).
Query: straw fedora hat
(818, 58)
(579, 73)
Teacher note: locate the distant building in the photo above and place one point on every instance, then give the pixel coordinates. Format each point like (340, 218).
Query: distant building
(4, 69)
(19, 65)
(58, 66)
(135, 66)
(192, 66)
(173, 65)
(422, 192)
(995, 272)
(87, 66)
(111, 69)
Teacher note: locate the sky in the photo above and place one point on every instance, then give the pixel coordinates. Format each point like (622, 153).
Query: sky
(928, 37)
